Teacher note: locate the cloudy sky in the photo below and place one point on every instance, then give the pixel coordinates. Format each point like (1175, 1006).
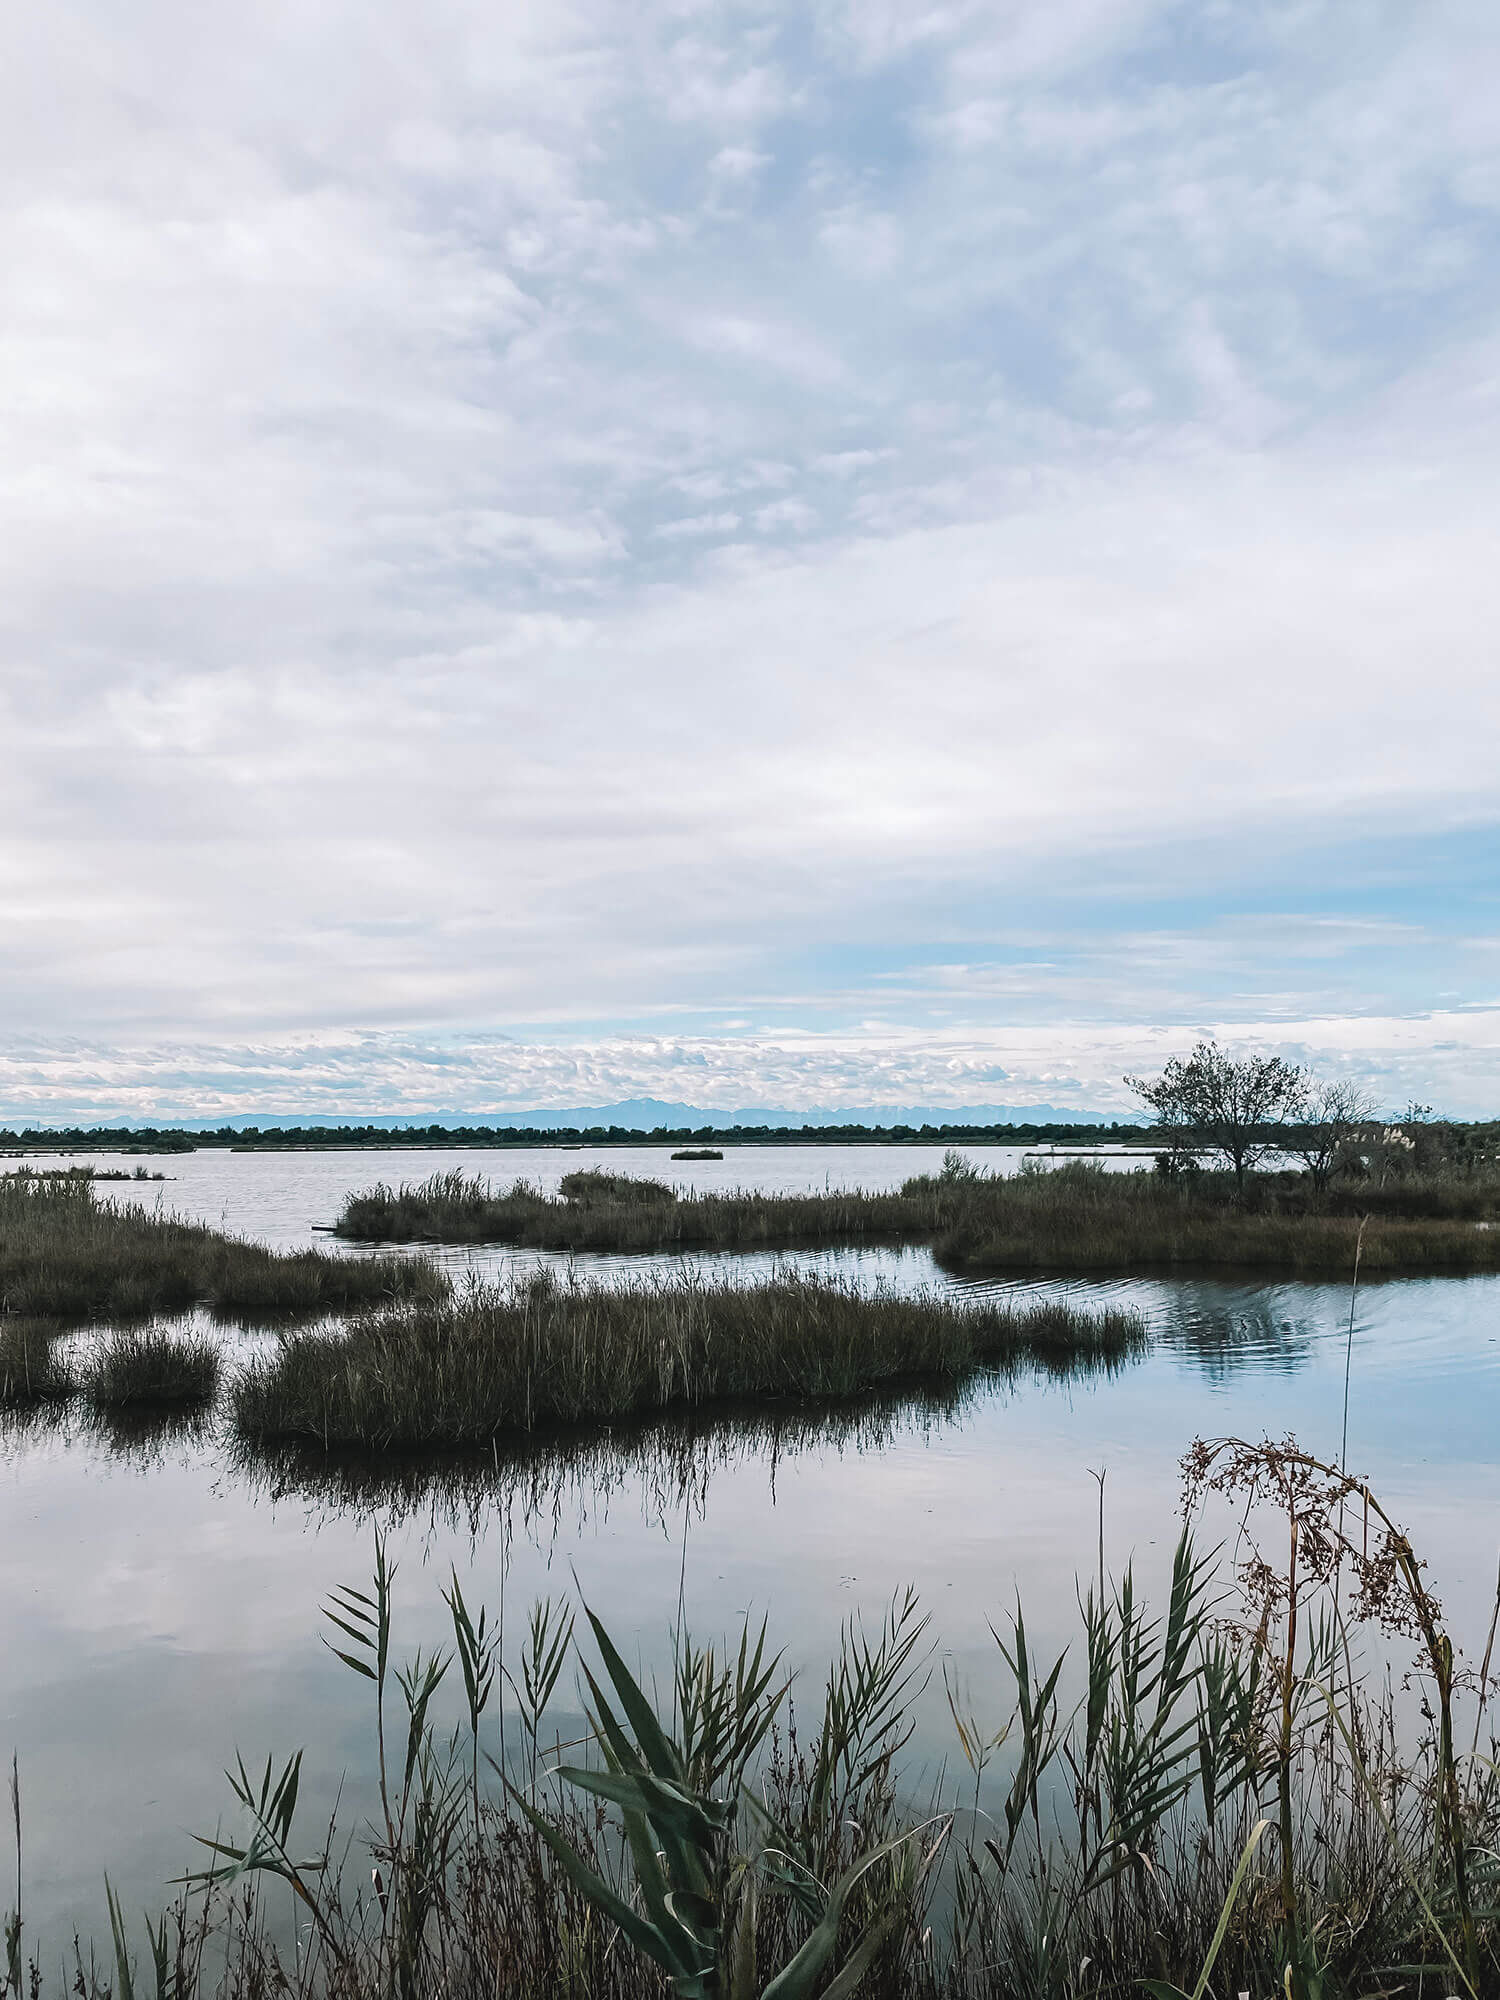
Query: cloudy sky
(804, 554)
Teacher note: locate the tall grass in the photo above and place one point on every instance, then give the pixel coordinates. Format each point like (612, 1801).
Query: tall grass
(1212, 1796)
(152, 1367)
(1082, 1218)
(33, 1372)
(544, 1352)
(1077, 1217)
(596, 1211)
(65, 1254)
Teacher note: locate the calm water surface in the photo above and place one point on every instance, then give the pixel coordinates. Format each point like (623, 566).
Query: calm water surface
(159, 1604)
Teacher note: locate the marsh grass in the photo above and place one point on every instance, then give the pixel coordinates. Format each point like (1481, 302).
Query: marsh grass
(1082, 1218)
(598, 1211)
(544, 1352)
(149, 1367)
(1076, 1217)
(64, 1254)
(34, 1372)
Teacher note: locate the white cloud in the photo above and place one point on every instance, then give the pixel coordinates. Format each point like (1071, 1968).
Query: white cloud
(785, 514)
(1451, 1056)
(738, 163)
(1116, 403)
(691, 526)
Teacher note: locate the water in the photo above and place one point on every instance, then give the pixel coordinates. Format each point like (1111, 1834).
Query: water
(160, 1603)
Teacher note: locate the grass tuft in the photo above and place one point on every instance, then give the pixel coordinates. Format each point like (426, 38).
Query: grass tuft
(151, 1367)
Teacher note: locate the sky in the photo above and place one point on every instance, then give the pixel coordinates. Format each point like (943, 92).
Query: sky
(836, 553)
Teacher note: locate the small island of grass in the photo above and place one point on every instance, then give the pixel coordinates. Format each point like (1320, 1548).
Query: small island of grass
(64, 1254)
(543, 1353)
(1076, 1217)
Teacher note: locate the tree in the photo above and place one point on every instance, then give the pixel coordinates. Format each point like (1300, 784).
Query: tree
(1210, 1102)
(1330, 1118)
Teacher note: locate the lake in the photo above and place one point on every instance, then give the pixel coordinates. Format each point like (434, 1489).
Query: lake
(160, 1599)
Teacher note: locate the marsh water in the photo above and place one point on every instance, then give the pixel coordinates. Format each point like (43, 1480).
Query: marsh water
(159, 1597)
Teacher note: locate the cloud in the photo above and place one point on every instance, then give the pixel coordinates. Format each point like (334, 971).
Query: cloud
(1082, 1068)
(1113, 397)
(694, 525)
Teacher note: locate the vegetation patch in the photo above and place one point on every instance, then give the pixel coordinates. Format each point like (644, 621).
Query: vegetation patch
(545, 1352)
(32, 1369)
(151, 1367)
(1076, 1217)
(64, 1254)
(597, 1211)
(1080, 1217)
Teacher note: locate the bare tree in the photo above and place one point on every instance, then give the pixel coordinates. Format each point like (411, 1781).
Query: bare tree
(1211, 1102)
(1330, 1118)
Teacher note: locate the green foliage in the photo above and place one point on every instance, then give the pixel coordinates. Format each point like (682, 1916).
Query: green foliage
(590, 1189)
(1236, 1106)
(700, 1859)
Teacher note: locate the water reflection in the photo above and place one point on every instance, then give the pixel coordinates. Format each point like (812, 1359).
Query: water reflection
(533, 1479)
(142, 1436)
(563, 1483)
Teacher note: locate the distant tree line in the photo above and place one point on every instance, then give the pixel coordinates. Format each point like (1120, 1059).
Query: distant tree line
(1206, 1107)
(167, 1139)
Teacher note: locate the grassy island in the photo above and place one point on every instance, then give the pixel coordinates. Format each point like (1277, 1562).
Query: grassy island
(65, 1254)
(1081, 1218)
(1074, 1217)
(518, 1358)
(599, 1211)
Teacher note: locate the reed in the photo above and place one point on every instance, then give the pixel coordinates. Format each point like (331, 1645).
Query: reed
(519, 1357)
(67, 1255)
(151, 1367)
(1211, 1796)
(32, 1371)
(1082, 1218)
(1076, 1217)
(595, 1211)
